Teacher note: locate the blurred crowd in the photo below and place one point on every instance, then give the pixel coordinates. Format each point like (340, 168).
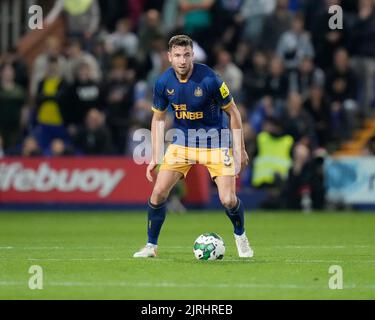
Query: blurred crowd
(291, 76)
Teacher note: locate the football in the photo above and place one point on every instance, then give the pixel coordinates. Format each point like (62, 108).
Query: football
(209, 246)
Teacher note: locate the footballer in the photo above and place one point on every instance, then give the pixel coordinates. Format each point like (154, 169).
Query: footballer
(200, 100)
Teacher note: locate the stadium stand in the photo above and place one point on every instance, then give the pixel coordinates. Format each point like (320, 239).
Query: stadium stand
(108, 54)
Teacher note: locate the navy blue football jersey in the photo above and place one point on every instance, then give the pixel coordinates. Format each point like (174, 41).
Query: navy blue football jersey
(198, 105)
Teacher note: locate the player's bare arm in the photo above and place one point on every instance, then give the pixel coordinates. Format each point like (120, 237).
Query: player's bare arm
(239, 150)
(157, 133)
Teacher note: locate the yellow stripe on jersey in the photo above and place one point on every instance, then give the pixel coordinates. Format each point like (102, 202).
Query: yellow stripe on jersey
(227, 105)
(157, 110)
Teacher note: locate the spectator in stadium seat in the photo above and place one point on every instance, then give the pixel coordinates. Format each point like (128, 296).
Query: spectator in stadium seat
(370, 147)
(50, 106)
(342, 88)
(254, 13)
(135, 9)
(75, 57)
(123, 39)
(306, 76)
(275, 25)
(230, 73)
(30, 147)
(305, 180)
(277, 82)
(311, 10)
(317, 105)
(264, 109)
(296, 121)
(119, 100)
(111, 12)
(59, 148)
(102, 56)
(52, 50)
(156, 60)
(150, 29)
(83, 18)
(21, 75)
(242, 57)
(326, 41)
(142, 95)
(170, 15)
(362, 48)
(295, 44)
(83, 95)
(298, 181)
(155, 4)
(255, 78)
(228, 21)
(197, 18)
(339, 123)
(342, 79)
(272, 160)
(94, 137)
(12, 101)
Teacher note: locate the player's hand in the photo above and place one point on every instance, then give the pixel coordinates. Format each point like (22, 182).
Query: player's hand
(151, 167)
(244, 160)
(241, 160)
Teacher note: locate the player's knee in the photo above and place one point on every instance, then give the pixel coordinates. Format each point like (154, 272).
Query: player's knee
(159, 195)
(228, 200)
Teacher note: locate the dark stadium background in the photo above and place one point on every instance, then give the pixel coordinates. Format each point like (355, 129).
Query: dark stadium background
(73, 200)
(320, 89)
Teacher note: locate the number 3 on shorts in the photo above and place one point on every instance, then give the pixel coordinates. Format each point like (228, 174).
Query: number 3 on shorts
(227, 158)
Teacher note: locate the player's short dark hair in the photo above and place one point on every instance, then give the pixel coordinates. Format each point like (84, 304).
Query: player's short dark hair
(180, 40)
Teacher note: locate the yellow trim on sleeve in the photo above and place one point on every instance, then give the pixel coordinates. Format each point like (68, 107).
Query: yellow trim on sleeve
(227, 105)
(157, 110)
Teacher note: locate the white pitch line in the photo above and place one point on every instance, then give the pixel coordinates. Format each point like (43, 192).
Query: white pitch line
(96, 259)
(298, 261)
(176, 247)
(55, 248)
(182, 285)
(320, 247)
(165, 259)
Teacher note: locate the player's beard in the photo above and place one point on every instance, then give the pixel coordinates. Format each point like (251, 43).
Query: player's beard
(183, 72)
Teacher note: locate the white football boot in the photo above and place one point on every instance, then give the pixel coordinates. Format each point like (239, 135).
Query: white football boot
(243, 246)
(149, 251)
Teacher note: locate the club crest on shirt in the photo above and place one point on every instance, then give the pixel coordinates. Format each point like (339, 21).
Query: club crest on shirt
(198, 92)
(170, 92)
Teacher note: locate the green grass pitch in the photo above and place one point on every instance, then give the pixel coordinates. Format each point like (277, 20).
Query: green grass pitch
(88, 255)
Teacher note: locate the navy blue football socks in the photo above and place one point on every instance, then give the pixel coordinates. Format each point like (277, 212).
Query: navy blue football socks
(156, 217)
(236, 215)
(157, 213)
